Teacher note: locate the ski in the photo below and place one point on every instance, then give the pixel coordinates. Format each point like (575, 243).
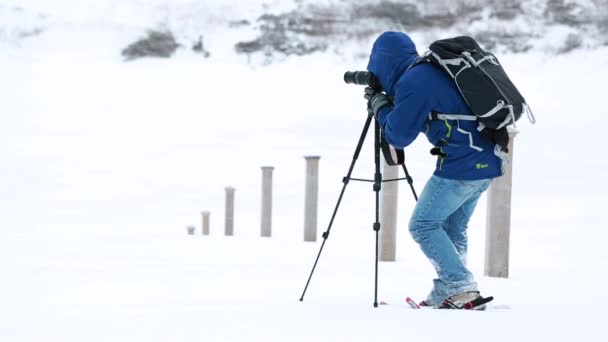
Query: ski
(473, 305)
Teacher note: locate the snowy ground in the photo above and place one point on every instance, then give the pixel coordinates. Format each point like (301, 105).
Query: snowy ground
(214, 289)
(105, 163)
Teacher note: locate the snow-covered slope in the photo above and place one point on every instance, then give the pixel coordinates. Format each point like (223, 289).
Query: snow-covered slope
(104, 164)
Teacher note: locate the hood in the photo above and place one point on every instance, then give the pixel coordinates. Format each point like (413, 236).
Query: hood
(392, 54)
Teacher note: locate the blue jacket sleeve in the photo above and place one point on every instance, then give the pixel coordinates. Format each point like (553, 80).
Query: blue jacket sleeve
(402, 123)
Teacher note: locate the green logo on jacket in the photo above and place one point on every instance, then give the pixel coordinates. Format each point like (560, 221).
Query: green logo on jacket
(481, 166)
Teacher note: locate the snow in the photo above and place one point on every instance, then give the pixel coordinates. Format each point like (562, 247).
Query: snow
(105, 164)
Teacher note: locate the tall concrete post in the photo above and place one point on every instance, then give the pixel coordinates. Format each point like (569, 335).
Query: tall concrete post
(498, 220)
(229, 223)
(206, 215)
(388, 218)
(267, 201)
(311, 198)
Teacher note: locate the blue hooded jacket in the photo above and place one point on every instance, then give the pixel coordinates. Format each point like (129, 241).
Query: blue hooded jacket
(416, 93)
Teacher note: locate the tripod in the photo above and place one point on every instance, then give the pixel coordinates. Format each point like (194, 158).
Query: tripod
(377, 187)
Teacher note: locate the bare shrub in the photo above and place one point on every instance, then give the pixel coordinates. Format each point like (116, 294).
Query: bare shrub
(567, 13)
(155, 44)
(572, 42)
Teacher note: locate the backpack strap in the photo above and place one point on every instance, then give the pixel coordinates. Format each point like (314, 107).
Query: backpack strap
(489, 57)
(451, 65)
(392, 156)
(441, 116)
(530, 114)
(419, 60)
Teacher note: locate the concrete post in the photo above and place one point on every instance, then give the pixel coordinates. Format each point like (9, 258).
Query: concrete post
(206, 215)
(388, 218)
(311, 198)
(498, 220)
(267, 201)
(190, 230)
(229, 223)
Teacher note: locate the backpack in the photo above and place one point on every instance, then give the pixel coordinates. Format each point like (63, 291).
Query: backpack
(484, 85)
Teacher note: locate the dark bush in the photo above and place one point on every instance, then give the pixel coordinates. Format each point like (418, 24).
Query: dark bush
(199, 47)
(155, 44)
(286, 33)
(513, 42)
(404, 15)
(572, 42)
(567, 13)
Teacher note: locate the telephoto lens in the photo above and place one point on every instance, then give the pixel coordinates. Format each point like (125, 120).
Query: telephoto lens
(357, 77)
(362, 78)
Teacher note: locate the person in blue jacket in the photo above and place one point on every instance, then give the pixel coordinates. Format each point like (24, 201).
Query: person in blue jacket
(466, 162)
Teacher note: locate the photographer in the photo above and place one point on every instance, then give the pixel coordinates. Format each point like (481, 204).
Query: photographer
(466, 162)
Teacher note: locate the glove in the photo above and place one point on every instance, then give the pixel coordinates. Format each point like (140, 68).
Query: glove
(375, 101)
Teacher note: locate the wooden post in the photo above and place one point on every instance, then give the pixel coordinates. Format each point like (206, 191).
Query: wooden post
(311, 198)
(206, 215)
(267, 201)
(229, 222)
(498, 220)
(388, 232)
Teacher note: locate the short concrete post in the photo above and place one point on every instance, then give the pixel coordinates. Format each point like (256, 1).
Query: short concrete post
(311, 198)
(190, 230)
(388, 221)
(229, 222)
(206, 215)
(498, 220)
(267, 201)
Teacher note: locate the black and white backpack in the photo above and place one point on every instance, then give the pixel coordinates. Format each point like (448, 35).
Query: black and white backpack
(483, 83)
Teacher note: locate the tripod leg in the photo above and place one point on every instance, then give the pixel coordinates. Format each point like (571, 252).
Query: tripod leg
(345, 181)
(377, 188)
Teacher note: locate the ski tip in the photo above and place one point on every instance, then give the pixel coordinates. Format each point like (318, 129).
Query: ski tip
(412, 303)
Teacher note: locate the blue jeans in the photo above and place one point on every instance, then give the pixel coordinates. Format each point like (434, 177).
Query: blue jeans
(439, 226)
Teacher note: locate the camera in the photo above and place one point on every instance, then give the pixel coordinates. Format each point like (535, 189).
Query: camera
(365, 78)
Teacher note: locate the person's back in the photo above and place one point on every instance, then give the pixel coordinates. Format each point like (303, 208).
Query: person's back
(466, 154)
